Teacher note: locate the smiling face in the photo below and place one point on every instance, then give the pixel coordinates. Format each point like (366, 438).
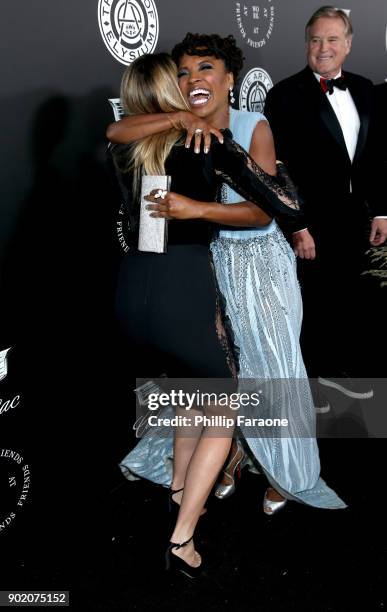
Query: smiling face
(327, 46)
(204, 83)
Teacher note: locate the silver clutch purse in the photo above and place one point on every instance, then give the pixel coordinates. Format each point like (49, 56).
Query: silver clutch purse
(153, 232)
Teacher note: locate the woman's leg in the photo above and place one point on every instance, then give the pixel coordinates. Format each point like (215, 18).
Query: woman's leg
(185, 443)
(203, 469)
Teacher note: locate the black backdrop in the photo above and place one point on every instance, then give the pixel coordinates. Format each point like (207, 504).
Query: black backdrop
(58, 244)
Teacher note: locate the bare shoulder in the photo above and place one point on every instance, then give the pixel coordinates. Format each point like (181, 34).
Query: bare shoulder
(262, 131)
(262, 147)
(262, 137)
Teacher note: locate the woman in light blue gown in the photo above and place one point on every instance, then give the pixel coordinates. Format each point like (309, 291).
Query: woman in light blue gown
(256, 273)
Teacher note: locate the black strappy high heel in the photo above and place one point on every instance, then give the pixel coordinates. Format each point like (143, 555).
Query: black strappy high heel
(173, 562)
(173, 506)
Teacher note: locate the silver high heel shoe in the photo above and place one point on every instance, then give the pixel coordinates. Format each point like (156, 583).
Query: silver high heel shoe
(225, 488)
(271, 507)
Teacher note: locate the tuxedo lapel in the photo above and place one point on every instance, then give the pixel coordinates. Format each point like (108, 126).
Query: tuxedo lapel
(318, 99)
(330, 120)
(362, 102)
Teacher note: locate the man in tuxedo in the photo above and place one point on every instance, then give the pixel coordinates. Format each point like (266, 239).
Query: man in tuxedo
(322, 121)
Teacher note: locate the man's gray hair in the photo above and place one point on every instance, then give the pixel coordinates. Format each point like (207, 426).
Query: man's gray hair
(333, 13)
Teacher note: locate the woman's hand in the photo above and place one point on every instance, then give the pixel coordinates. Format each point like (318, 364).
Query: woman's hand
(170, 205)
(197, 128)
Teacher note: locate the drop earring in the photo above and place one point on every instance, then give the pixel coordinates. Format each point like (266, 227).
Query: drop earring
(231, 93)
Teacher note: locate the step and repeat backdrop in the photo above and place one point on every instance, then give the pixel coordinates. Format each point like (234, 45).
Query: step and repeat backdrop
(59, 244)
(61, 60)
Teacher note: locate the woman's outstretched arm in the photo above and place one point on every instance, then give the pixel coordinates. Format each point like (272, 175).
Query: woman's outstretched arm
(134, 127)
(176, 206)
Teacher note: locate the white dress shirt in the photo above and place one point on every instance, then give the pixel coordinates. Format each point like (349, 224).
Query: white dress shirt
(347, 115)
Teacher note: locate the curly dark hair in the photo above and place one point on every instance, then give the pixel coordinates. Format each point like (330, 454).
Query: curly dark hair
(213, 45)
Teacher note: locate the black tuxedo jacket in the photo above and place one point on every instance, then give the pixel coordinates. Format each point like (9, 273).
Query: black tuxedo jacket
(381, 106)
(309, 140)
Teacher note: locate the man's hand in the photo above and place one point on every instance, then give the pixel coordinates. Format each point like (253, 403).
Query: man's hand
(303, 245)
(378, 232)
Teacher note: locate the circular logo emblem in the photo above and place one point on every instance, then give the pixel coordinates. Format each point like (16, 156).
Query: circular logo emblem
(14, 485)
(255, 21)
(129, 28)
(253, 90)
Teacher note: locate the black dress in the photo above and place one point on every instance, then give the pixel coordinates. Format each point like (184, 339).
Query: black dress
(169, 305)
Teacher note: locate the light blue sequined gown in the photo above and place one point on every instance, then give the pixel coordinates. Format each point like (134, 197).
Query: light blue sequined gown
(256, 272)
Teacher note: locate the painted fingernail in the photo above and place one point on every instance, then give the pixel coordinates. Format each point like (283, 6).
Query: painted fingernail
(206, 149)
(197, 150)
(186, 145)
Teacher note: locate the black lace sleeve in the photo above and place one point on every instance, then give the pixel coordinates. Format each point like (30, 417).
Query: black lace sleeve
(275, 195)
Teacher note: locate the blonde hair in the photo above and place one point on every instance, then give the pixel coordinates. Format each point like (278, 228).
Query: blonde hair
(149, 85)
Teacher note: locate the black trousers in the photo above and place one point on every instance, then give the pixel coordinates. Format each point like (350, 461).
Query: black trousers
(342, 322)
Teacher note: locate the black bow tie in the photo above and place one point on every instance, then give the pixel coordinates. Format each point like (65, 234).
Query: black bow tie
(329, 84)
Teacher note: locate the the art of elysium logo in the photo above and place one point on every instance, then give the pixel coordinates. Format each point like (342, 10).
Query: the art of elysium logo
(255, 21)
(253, 90)
(129, 28)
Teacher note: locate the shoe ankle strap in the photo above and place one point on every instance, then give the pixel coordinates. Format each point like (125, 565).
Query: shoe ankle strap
(172, 492)
(174, 545)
